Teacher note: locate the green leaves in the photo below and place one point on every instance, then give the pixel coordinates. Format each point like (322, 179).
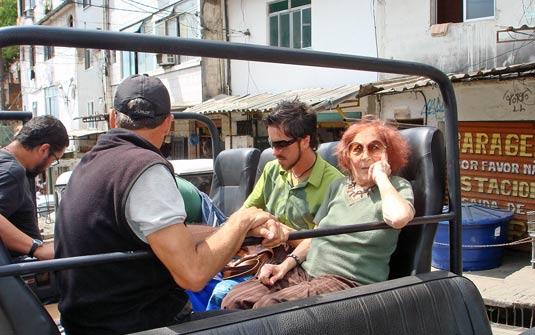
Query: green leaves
(8, 17)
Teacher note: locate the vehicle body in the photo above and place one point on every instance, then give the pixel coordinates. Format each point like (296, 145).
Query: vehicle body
(310, 316)
(199, 172)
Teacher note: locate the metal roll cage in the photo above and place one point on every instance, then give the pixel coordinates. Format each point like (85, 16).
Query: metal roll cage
(68, 37)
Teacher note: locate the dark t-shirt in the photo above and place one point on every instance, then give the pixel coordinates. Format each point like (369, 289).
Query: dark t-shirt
(16, 197)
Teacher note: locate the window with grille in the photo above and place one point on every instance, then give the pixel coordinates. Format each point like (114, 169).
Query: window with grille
(244, 128)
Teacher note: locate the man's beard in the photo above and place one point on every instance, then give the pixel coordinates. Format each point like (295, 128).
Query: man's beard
(40, 168)
(290, 166)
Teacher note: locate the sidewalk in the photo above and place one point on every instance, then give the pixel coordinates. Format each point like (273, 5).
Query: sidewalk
(508, 292)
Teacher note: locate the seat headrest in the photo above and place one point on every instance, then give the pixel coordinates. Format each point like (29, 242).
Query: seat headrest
(265, 156)
(327, 151)
(234, 178)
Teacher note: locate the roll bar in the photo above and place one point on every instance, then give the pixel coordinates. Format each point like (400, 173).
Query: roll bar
(68, 37)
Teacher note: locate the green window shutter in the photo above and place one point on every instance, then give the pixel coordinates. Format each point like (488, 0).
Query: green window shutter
(274, 31)
(307, 28)
(296, 29)
(285, 30)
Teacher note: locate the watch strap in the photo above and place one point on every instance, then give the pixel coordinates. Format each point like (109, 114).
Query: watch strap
(35, 244)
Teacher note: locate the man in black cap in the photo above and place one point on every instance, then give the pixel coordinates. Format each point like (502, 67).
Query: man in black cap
(122, 197)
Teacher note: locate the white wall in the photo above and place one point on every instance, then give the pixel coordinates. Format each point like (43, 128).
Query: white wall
(491, 100)
(344, 27)
(404, 28)
(56, 72)
(183, 80)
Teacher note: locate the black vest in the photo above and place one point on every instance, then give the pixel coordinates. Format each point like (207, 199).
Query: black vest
(120, 297)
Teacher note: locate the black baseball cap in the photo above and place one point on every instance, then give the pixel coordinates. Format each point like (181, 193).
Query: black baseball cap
(142, 86)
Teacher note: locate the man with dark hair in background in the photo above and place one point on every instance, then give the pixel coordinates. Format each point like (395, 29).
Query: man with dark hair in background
(122, 196)
(38, 145)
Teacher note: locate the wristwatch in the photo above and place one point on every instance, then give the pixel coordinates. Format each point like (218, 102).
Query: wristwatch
(35, 244)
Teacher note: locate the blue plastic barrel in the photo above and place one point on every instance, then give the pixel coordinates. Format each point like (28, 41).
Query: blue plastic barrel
(481, 226)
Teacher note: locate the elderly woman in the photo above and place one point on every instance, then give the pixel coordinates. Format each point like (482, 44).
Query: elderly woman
(369, 152)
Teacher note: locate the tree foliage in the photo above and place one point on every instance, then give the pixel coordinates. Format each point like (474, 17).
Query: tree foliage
(8, 17)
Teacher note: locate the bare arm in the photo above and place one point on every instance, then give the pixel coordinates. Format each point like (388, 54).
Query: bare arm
(193, 261)
(200, 233)
(397, 211)
(16, 240)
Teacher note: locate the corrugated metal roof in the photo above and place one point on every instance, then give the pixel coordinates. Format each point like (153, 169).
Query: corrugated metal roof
(318, 98)
(327, 98)
(405, 83)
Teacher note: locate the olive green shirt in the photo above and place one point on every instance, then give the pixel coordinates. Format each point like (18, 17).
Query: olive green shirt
(364, 256)
(295, 206)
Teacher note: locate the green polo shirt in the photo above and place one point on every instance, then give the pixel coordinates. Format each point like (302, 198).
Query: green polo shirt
(192, 200)
(295, 206)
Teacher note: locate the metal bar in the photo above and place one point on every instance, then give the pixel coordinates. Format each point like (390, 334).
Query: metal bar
(84, 261)
(68, 37)
(214, 133)
(16, 116)
(354, 228)
(18, 269)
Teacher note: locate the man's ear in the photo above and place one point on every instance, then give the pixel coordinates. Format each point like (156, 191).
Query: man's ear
(169, 122)
(306, 140)
(43, 149)
(112, 120)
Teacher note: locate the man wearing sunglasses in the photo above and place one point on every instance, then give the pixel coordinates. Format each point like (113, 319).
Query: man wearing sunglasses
(293, 185)
(37, 146)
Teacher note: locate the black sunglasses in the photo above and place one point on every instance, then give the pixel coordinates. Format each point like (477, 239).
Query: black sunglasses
(282, 143)
(56, 159)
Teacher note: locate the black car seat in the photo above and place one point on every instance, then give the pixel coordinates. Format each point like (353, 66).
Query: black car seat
(435, 303)
(426, 171)
(21, 313)
(234, 178)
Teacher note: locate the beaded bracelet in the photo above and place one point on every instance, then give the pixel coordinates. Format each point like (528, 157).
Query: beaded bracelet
(295, 257)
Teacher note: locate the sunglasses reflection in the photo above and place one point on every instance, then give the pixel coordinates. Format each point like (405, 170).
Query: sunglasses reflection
(374, 148)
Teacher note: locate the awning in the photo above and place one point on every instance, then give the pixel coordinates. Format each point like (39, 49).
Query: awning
(318, 98)
(80, 134)
(133, 28)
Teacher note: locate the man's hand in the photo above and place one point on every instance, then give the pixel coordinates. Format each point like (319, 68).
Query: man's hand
(44, 252)
(273, 232)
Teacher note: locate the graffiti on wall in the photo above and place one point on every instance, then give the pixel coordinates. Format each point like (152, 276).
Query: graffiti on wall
(519, 97)
(434, 107)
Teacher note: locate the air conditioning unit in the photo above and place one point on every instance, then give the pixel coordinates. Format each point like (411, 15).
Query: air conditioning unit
(165, 59)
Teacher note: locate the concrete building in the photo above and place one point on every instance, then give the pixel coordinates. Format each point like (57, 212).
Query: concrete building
(346, 26)
(488, 48)
(78, 85)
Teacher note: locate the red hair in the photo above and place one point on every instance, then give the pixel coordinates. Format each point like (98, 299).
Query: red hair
(397, 147)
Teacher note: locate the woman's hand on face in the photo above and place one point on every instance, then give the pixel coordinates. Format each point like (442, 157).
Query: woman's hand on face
(270, 274)
(381, 167)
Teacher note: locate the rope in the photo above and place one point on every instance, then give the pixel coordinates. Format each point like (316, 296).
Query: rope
(471, 246)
